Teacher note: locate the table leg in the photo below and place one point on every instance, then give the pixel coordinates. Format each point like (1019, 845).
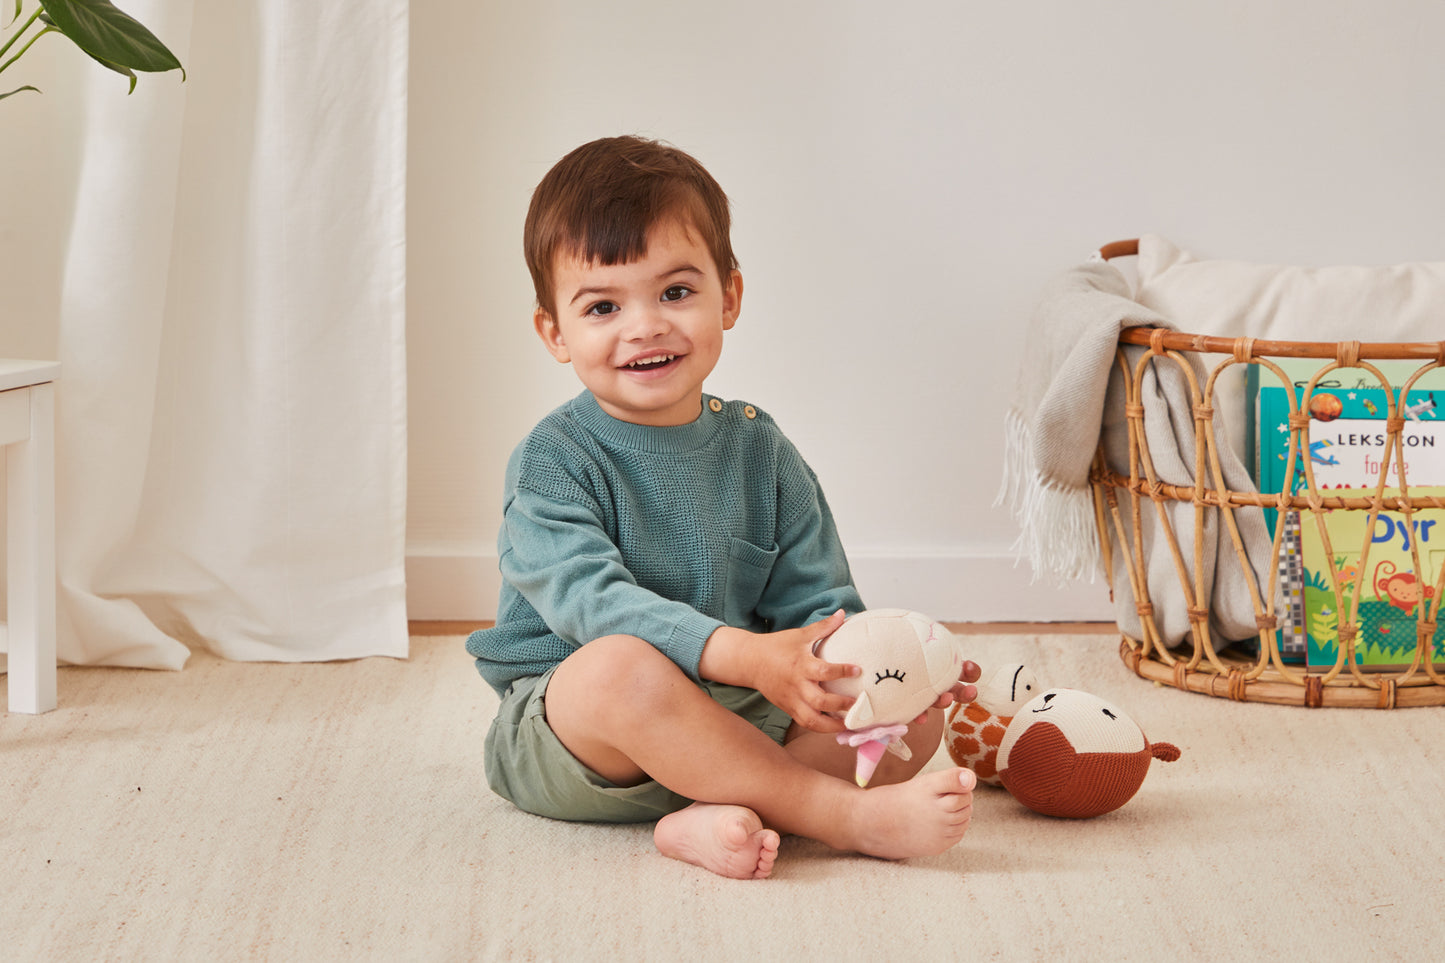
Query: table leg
(30, 558)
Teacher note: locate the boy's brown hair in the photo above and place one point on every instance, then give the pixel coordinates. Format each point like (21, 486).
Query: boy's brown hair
(599, 202)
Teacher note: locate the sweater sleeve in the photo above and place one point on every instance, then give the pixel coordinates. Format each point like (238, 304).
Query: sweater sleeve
(811, 579)
(557, 554)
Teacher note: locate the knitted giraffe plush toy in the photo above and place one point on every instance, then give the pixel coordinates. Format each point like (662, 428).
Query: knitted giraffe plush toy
(976, 729)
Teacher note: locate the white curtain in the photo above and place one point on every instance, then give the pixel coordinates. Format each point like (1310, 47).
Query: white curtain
(231, 437)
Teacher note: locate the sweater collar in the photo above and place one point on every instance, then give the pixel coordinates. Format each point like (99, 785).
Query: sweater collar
(624, 434)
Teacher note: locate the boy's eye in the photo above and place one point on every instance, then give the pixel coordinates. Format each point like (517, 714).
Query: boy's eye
(601, 308)
(676, 293)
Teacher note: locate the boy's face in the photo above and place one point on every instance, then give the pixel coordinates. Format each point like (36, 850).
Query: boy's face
(643, 336)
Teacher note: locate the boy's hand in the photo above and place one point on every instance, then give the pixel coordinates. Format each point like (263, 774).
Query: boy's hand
(964, 691)
(782, 666)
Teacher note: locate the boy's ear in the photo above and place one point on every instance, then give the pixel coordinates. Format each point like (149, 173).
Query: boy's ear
(551, 334)
(732, 298)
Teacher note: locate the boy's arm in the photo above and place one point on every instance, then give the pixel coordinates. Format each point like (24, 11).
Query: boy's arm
(810, 577)
(809, 580)
(782, 666)
(560, 559)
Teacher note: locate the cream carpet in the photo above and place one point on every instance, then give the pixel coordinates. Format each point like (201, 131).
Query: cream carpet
(337, 811)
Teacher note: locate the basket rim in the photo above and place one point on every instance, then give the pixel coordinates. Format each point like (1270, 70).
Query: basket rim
(1253, 348)
(1246, 348)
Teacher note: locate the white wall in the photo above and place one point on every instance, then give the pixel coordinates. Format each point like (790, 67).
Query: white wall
(39, 158)
(904, 177)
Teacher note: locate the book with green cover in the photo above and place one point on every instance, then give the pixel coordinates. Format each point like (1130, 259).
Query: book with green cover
(1379, 567)
(1300, 370)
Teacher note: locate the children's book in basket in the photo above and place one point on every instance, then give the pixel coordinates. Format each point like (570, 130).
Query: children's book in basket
(1379, 567)
(1346, 450)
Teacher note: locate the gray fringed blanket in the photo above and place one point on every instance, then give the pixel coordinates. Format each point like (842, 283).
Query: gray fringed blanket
(1070, 397)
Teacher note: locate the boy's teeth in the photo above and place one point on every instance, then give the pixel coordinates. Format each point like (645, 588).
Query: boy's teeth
(655, 360)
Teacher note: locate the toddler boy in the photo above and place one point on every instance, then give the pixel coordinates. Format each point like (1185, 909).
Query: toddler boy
(669, 560)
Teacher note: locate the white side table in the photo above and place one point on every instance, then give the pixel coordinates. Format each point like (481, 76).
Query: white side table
(27, 435)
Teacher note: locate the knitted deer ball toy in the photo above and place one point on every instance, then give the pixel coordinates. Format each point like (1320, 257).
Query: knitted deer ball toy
(908, 661)
(976, 729)
(1068, 753)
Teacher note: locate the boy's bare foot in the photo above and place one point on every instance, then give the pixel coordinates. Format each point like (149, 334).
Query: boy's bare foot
(728, 840)
(921, 817)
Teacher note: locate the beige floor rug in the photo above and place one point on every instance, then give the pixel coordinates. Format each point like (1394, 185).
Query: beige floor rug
(337, 811)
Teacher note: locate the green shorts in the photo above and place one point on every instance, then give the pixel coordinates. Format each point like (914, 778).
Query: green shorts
(528, 765)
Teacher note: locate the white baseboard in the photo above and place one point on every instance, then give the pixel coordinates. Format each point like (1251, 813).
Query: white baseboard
(461, 588)
(960, 588)
(950, 588)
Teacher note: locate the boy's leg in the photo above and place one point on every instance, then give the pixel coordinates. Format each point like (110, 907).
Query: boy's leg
(709, 834)
(823, 752)
(629, 714)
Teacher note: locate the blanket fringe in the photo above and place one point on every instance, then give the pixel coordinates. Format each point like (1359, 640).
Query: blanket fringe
(1057, 533)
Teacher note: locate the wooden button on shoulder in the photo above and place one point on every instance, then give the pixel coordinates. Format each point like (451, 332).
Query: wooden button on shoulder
(715, 404)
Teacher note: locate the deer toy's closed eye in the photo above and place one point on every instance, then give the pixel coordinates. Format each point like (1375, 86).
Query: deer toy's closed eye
(908, 661)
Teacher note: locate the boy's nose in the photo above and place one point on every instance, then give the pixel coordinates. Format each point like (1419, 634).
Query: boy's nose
(647, 323)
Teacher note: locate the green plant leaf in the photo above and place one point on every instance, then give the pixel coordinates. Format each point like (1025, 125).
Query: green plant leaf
(117, 68)
(110, 36)
(17, 90)
(15, 16)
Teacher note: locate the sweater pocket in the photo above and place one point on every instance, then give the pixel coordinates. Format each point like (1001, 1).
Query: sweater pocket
(749, 568)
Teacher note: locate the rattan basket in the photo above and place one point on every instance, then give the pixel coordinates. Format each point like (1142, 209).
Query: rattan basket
(1197, 665)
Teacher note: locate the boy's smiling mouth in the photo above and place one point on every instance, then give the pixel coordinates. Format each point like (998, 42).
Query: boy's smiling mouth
(650, 362)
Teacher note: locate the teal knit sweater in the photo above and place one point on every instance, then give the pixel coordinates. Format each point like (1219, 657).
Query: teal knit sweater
(666, 534)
